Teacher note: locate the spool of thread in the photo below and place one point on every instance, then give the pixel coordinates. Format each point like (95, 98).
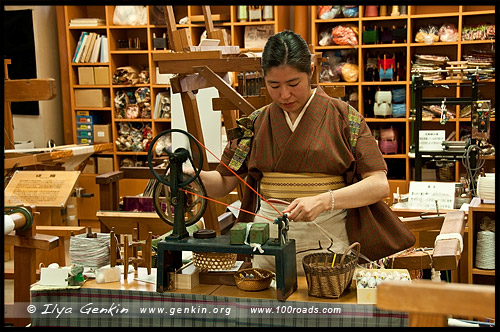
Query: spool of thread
(267, 13)
(382, 11)
(485, 250)
(242, 13)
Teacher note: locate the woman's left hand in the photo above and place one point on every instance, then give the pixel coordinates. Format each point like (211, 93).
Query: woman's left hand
(308, 208)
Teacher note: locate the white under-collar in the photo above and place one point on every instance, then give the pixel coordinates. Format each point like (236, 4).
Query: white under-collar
(287, 117)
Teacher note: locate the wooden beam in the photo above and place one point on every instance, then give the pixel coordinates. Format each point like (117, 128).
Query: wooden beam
(418, 260)
(209, 24)
(418, 224)
(174, 44)
(239, 64)
(29, 89)
(224, 104)
(426, 300)
(225, 89)
(447, 252)
(38, 241)
(204, 55)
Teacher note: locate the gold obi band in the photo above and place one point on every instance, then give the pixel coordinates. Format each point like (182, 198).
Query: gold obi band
(289, 186)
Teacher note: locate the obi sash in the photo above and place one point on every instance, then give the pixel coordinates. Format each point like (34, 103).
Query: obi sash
(289, 186)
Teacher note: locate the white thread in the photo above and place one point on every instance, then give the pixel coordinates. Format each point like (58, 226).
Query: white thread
(451, 236)
(485, 250)
(257, 246)
(333, 238)
(247, 232)
(435, 275)
(333, 200)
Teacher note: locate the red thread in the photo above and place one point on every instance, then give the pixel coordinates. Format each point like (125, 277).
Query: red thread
(238, 178)
(213, 200)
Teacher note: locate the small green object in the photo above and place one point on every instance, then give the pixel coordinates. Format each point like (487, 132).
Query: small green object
(259, 233)
(370, 36)
(237, 233)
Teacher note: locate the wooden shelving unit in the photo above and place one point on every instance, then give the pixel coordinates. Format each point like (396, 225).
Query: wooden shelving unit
(143, 56)
(476, 214)
(224, 17)
(401, 164)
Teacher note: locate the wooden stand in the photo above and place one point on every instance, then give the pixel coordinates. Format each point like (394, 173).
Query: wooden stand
(446, 253)
(131, 251)
(25, 243)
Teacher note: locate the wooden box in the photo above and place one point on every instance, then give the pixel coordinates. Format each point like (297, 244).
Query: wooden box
(259, 233)
(187, 278)
(237, 233)
(369, 295)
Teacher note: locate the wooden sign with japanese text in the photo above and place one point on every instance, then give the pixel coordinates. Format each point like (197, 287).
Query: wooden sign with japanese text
(40, 188)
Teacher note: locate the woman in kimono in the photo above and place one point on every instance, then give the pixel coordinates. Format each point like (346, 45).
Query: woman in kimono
(296, 152)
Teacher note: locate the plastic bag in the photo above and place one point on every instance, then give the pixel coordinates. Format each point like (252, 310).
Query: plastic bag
(348, 71)
(327, 74)
(130, 15)
(448, 33)
(325, 38)
(427, 34)
(345, 35)
(328, 12)
(350, 11)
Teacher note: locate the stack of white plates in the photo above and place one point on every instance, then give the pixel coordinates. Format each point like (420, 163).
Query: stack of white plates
(486, 187)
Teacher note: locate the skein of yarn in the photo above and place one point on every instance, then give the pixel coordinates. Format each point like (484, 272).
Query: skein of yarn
(485, 250)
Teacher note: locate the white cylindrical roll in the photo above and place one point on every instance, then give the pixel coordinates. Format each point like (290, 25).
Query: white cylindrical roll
(486, 187)
(8, 224)
(485, 250)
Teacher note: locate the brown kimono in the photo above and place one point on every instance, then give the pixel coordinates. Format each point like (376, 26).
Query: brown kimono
(319, 144)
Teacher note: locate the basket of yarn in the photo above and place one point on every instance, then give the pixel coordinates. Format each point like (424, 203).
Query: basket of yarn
(214, 261)
(329, 274)
(253, 279)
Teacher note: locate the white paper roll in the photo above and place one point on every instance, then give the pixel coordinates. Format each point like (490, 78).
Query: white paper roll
(8, 224)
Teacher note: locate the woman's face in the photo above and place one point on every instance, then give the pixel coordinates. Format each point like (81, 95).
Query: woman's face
(289, 87)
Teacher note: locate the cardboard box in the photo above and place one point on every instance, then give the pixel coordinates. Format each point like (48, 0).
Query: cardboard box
(369, 295)
(101, 75)
(91, 98)
(90, 167)
(85, 76)
(104, 165)
(187, 277)
(102, 133)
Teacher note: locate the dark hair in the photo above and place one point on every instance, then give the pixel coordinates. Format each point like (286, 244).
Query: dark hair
(286, 48)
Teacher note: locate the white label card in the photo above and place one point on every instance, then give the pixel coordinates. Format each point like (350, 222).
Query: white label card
(423, 195)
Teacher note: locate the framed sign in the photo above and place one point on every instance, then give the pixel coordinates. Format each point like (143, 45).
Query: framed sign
(431, 140)
(40, 188)
(423, 195)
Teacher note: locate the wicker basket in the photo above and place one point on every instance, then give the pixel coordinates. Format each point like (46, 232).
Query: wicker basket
(253, 279)
(214, 261)
(326, 281)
